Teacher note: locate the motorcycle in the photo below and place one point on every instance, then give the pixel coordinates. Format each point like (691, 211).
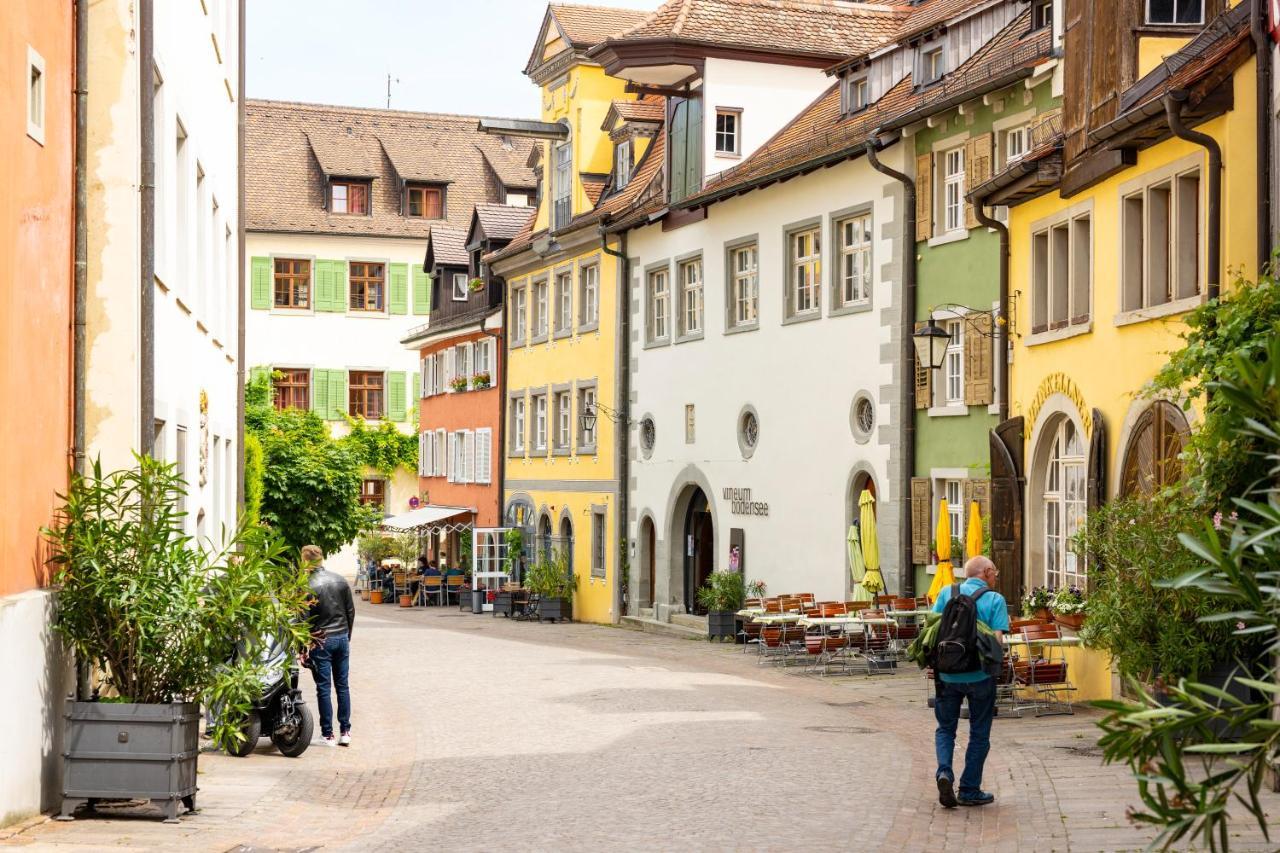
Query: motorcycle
(279, 711)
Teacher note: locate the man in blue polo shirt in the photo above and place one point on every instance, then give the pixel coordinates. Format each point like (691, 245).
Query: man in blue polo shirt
(978, 687)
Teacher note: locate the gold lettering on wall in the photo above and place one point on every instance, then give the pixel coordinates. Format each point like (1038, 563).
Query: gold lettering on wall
(1060, 383)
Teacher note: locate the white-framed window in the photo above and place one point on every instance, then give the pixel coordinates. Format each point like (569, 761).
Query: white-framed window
(1065, 505)
(562, 210)
(1161, 245)
(540, 422)
(461, 288)
(484, 357)
(484, 456)
(932, 65)
(854, 235)
(622, 164)
(589, 298)
(744, 285)
(857, 94)
(953, 491)
(953, 189)
(587, 402)
(520, 314)
(690, 296)
(1041, 14)
(1180, 12)
(805, 280)
(1015, 143)
(35, 95)
(540, 309)
(462, 361)
(728, 131)
(518, 424)
(1061, 273)
(439, 454)
(564, 420)
(659, 304)
(564, 301)
(953, 365)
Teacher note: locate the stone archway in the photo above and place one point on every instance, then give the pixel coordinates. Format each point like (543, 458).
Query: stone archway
(672, 546)
(647, 554)
(697, 544)
(1059, 450)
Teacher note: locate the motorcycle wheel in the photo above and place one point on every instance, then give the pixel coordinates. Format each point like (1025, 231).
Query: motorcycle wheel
(252, 730)
(296, 741)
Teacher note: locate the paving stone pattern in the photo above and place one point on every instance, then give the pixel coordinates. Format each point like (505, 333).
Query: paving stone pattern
(475, 733)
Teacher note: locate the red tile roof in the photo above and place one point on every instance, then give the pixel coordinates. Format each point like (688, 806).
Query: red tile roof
(587, 26)
(502, 221)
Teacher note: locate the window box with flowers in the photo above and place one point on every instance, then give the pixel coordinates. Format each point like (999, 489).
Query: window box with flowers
(1068, 606)
(458, 383)
(481, 380)
(1035, 604)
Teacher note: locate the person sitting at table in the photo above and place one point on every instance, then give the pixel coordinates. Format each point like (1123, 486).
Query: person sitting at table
(430, 571)
(453, 571)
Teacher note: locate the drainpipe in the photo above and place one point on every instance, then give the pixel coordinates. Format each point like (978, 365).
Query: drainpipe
(908, 359)
(500, 382)
(1262, 60)
(147, 227)
(1173, 103)
(240, 295)
(1002, 322)
(622, 380)
(80, 279)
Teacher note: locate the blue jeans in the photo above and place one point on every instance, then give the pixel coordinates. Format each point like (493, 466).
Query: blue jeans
(982, 706)
(329, 665)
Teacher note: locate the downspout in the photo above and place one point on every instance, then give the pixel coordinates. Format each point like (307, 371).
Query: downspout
(1173, 103)
(908, 359)
(1002, 321)
(240, 295)
(500, 343)
(147, 227)
(80, 280)
(622, 381)
(1262, 60)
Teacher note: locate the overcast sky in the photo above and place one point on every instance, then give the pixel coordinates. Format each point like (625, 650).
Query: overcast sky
(450, 56)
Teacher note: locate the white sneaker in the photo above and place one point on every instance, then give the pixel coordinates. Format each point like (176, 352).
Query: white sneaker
(345, 739)
(328, 741)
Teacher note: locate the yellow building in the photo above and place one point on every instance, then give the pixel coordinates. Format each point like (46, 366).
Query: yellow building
(563, 414)
(1113, 238)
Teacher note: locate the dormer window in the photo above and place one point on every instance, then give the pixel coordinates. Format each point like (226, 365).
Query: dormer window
(622, 159)
(857, 94)
(515, 197)
(1041, 14)
(728, 131)
(349, 197)
(423, 202)
(931, 65)
(1177, 12)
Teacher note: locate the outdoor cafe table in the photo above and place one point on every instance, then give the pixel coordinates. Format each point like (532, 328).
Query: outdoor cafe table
(839, 621)
(906, 613)
(751, 611)
(1051, 641)
(778, 618)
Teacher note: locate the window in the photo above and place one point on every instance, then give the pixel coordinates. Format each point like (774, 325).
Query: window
(540, 422)
(1175, 11)
(806, 272)
(540, 309)
(728, 131)
(520, 312)
(854, 235)
(691, 297)
(564, 420)
(440, 454)
(744, 286)
(931, 66)
(1062, 274)
(622, 164)
(1041, 14)
(180, 464)
(35, 95)
(857, 94)
(517, 424)
(462, 361)
(953, 189)
(349, 197)
(749, 430)
(597, 543)
(368, 286)
(1064, 508)
(589, 298)
(1152, 459)
(563, 208)
(364, 394)
(1161, 245)
(587, 434)
(292, 388)
(1015, 143)
(424, 202)
(292, 283)
(461, 289)
(564, 302)
(484, 456)
(690, 423)
(648, 435)
(484, 357)
(953, 493)
(953, 365)
(374, 493)
(658, 305)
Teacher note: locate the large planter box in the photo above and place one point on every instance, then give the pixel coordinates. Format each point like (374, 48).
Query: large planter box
(721, 624)
(124, 751)
(554, 609)
(504, 603)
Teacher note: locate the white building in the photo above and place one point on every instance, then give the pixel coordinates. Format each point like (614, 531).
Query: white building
(339, 204)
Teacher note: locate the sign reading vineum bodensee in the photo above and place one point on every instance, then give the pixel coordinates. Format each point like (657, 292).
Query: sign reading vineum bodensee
(740, 502)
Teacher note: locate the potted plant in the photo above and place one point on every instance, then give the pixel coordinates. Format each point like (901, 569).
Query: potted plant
(162, 622)
(1035, 604)
(1068, 607)
(480, 380)
(553, 583)
(722, 598)
(757, 589)
(476, 285)
(458, 383)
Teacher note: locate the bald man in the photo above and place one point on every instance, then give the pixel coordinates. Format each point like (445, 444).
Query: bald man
(977, 686)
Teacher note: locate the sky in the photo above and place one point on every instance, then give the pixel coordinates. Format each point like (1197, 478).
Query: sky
(447, 56)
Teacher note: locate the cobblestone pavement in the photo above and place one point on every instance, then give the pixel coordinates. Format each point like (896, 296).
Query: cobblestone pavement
(474, 733)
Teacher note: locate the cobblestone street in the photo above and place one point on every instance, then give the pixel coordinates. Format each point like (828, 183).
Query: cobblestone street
(473, 733)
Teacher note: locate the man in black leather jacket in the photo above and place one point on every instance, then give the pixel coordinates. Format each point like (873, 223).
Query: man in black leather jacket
(332, 616)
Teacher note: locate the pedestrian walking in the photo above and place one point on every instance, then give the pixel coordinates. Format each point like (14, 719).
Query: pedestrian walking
(332, 616)
(962, 670)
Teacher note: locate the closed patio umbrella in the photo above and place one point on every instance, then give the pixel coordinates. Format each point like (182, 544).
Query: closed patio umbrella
(873, 582)
(944, 576)
(973, 538)
(857, 568)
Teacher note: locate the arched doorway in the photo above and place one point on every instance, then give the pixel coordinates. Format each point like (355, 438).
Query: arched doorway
(646, 590)
(566, 541)
(859, 482)
(698, 546)
(1057, 503)
(544, 537)
(1151, 458)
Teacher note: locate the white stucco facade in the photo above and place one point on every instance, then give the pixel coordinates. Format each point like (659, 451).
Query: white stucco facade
(800, 378)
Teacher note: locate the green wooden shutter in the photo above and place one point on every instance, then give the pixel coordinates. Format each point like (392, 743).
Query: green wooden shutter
(399, 280)
(331, 286)
(256, 373)
(260, 281)
(421, 291)
(320, 393)
(337, 394)
(324, 285)
(693, 148)
(415, 390)
(395, 395)
(679, 132)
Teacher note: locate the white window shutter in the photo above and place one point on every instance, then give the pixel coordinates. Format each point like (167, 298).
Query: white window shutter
(442, 458)
(468, 362)
(484, 441)
(468, 456)
(452, 468)
(448, 371)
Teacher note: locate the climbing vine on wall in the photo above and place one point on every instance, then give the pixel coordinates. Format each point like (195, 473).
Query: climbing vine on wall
(383, 448)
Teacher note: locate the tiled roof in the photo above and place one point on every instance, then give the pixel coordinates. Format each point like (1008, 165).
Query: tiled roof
(291, 147)
(594, 186)
(649, 108)
(930, 14)
(508, 161)
(447, 245)
(587, 26)
(832, 28)
(502, 221)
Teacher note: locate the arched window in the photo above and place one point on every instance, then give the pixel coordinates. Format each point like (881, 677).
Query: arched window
(566, 541)
(1151, 459)
(1065, 505)
(544, 538)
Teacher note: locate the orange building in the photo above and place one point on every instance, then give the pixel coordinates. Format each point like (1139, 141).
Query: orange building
(37, 67)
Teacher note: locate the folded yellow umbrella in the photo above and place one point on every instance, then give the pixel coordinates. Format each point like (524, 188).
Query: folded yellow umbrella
(873, 582)
(857, 568)
(973, 538)
(944, 577)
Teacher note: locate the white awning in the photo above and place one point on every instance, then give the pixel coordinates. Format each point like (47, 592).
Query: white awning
(423, 516)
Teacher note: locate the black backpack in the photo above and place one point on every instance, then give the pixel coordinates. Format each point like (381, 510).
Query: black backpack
(956, 649)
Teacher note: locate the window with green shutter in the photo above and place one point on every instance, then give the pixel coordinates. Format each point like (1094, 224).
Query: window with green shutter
(331, 286)
(399, 287)
(414, 391)
(421, 291)
(320, 393)
(260, 283)
(396, 390)
(337, 394)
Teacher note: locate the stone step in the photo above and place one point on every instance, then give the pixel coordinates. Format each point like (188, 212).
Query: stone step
(688, 620)
(646, 613)
(652, 626)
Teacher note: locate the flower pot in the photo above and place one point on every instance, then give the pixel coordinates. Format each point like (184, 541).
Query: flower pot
(364, 594)
(554, 609)
(1043, 614)
(406, 601)
(721, 624)
(1069, 620)
(375, 596)
(118, 750)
